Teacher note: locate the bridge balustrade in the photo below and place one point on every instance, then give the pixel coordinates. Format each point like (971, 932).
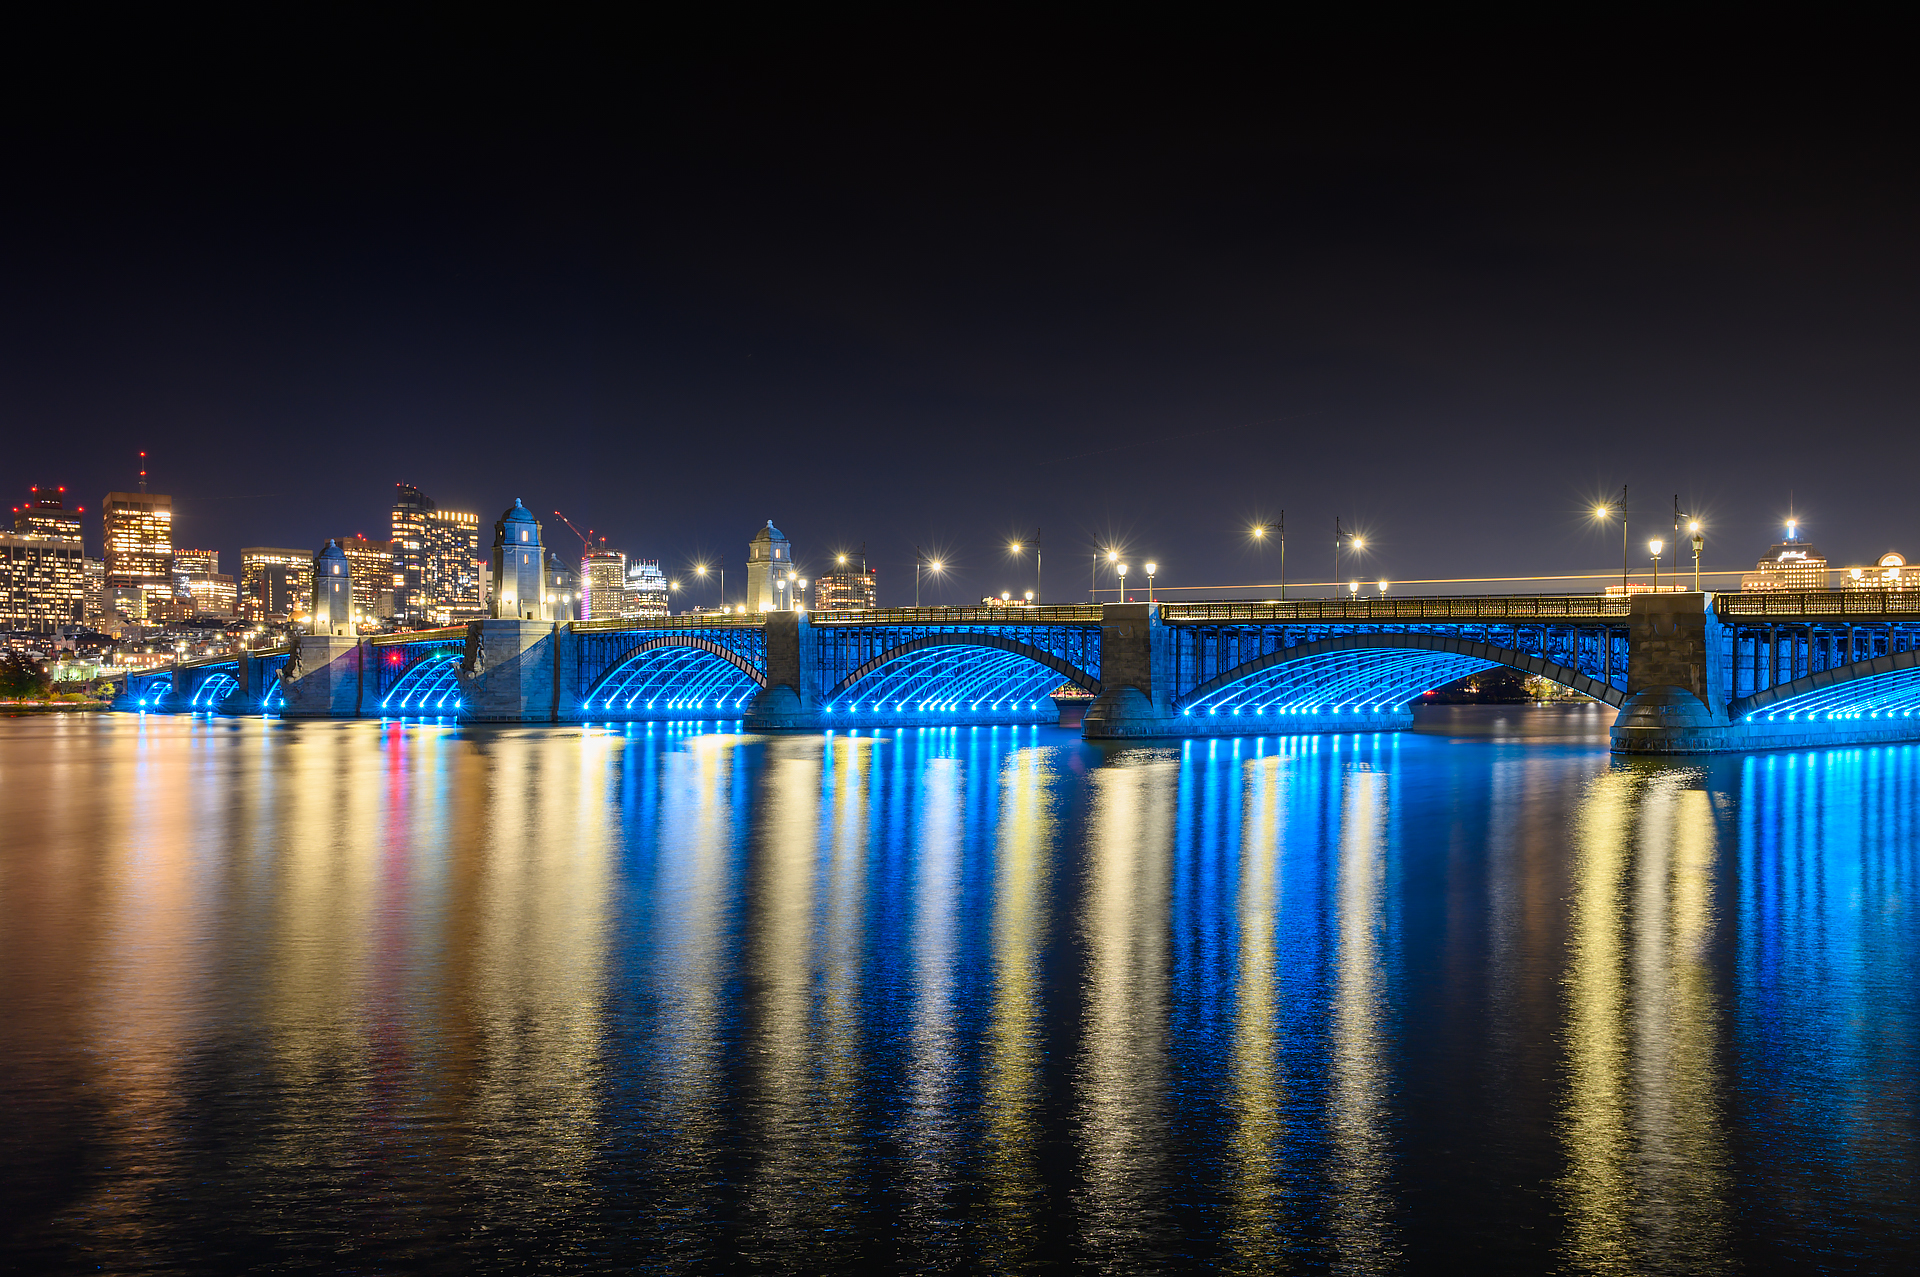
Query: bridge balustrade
(1504, 607)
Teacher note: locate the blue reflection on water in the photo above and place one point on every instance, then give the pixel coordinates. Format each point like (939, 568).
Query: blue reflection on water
(406, 995)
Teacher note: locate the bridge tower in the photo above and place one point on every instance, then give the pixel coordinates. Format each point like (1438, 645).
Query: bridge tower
(519, 566)
(770, 571)
(332, 591)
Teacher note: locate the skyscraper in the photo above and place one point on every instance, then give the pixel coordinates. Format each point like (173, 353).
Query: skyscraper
(46, 515)
(603, 585)
(849, 584)
(198, 582)
(137, 532)
(372, 566)
(276, 582)
(436, 555)
(646, 590)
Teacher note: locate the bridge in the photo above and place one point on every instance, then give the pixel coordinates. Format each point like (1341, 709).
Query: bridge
(1689, 672)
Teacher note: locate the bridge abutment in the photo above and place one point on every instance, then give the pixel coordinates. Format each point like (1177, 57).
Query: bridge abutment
(790, 701)
(512, 672)
(1134, 646)
(322, 679)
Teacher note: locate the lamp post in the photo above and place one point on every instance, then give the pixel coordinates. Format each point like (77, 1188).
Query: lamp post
(1015, 547)
(1151, 569)
(1359, 543)
(1383, 589)
(919, 561)
(1121, 589)
(1601, 512)
(1656, 547)
(1699, 543)
(1259, 532)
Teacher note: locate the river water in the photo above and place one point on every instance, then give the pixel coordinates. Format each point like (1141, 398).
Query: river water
(377, 997)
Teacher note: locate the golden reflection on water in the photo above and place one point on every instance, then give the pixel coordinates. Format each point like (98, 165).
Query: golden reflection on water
(1646, 1157)
(1258, 1217)
(688, 971)
(1010, 1087)
(781, 964)
(1358, 1215)
(931, 1085)
(1122, 1075)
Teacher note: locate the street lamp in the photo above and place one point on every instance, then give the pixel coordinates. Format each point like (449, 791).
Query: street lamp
(1383, 589)
(1656, 547)
(921, 561)
(1015, 547)
(1359, 543)
(800, 604)
(1122, 591)
(1151, 569)
(1603, 511)
(1699, 543)
(1353, 589)
(1260, 531)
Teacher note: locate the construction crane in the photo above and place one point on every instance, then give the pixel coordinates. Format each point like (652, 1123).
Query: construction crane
(586, 545)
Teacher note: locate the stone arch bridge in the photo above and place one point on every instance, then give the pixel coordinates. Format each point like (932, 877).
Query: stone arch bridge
(1691, 672)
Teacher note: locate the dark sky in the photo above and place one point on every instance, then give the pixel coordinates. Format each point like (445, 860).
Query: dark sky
(936, 288)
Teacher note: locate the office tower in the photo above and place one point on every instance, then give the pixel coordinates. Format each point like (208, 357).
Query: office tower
(849, 585)
(769, 571)
(646, 590)
(276, 582)
(43, 583)
(46, 515)
(1791, 564)
(603, 585)
(435, 554)
(372, 567)
(137, 535)
(199, 584)
(96, 587)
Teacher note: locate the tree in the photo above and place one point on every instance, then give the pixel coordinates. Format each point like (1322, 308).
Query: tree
(21, 676)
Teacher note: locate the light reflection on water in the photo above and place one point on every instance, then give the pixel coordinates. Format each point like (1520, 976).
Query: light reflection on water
(400, 997)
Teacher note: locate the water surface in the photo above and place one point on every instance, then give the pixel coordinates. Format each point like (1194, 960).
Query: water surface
(370, 997)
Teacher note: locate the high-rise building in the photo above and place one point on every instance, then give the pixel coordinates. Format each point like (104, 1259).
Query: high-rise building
(603, 585)
(646, 590)
(96, 581)
(435, 553)
(770, 571)
(372, 568)
(43, 581)
(46, 515)
(1791, 564)
(850, 585)
(276, 582)
(199, 585)
(137, 533)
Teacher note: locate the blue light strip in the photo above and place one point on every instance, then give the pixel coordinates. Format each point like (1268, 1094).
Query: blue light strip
(951, 680)
(430, 687)
(674, 679)
(1894, 695)
(1360, 680)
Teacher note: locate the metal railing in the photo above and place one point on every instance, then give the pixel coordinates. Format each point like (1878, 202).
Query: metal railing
(1478, 607)
(701, 621)
(1042, 614)
(440, 635)
(1819, 603)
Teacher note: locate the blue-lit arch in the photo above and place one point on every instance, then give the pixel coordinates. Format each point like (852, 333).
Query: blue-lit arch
(954, 674)
(430, 686)
(1366, 672)
(276, 697)
(153, 693)
(1881, 688)
(915, 653)
(678, 676)
(213, 689)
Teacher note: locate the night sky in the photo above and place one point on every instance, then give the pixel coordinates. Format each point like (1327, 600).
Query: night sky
(937, 288)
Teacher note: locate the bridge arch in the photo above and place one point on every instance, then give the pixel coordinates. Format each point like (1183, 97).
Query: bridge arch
(1370, 671)
(213, 689)
(954, 671)
(1879, 687)
(676, 673)
(151, 692)
(429, 685)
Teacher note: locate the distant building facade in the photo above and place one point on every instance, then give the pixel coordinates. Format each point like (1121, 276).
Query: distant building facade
(137, 537)
(1889, 573)
(603, 585)
(276, 583)
(371, 564)
(770, 571)
(1790, 565)
(43, 578)
(436, 557)
(846, 588)
(645, 595)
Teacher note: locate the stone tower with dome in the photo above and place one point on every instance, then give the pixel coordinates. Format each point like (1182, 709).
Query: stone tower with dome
(770, 571)
(519, 566)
